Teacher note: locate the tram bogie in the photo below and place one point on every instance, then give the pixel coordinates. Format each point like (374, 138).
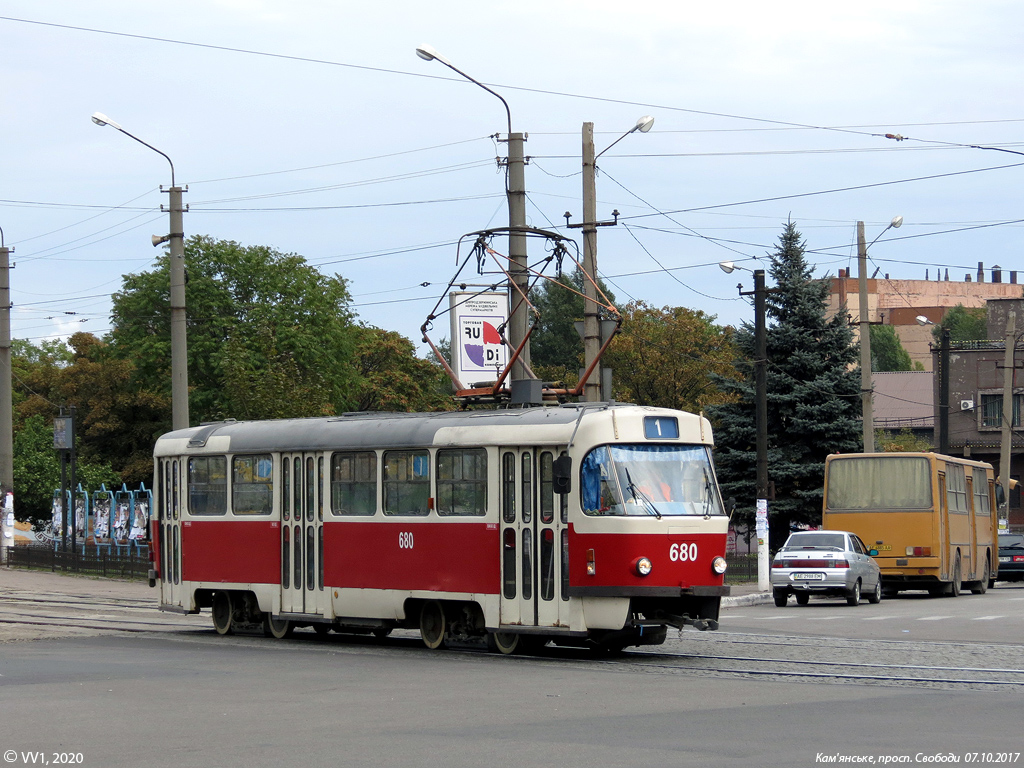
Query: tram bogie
(587, 525)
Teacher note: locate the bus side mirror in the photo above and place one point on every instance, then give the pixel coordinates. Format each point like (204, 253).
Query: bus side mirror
(561, 474)
(873, 552)
(1000, 496)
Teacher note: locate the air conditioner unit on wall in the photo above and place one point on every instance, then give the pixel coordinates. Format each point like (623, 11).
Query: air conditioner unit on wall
(966, 405)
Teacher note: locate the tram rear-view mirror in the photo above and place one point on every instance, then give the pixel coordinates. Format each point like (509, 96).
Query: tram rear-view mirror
(561, 474)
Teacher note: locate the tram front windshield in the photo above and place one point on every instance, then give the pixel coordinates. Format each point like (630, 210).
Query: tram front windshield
(651, 480)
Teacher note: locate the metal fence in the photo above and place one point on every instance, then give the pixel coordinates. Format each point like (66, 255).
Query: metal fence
(742, 568)
(100, 561)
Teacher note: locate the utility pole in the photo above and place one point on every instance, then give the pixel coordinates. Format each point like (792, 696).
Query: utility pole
(516, 191)
(6, 394)
(179, 344)
(865, 343)
(944, 392)
(1007, 425)
(591, 318)
(761, 422)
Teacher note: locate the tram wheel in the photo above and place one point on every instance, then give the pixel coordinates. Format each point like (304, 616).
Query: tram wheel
(222, 610)
(502, 642)
(277, 628)
(322, 629)
(433, 625)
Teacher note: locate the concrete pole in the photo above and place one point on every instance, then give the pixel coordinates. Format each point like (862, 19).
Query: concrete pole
(761, 425)
(865, 343)
(179, 346)
(1007, 425)
(591, 317)
(518, 315)
(6, 395)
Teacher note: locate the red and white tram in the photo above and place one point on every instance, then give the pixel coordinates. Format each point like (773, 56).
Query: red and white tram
(598, 524)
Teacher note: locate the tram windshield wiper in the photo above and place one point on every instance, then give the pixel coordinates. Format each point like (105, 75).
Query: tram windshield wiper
(636, 492)
(707, 494)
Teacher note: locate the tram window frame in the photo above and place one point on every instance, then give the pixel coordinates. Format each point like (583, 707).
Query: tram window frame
(357, 495)
(526, 485)
(208, 485)
(547, 487)
(406, 483)
(461, 482)
(508, 487)
(286, 489)
(247, 482)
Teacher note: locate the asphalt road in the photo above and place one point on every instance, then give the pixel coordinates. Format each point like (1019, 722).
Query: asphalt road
(176, 694)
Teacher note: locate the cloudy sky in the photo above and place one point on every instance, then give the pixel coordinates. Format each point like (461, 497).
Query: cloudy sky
(313, 127)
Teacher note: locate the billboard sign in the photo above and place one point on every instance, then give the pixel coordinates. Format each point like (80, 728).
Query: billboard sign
(478, 352)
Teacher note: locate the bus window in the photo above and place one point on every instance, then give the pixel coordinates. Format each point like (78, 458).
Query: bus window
(885, 482)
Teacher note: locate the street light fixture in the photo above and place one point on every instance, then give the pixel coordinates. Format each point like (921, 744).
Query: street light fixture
(179, 347)
(867, 407)
(516, 193)
(760, 294)
(592, 336)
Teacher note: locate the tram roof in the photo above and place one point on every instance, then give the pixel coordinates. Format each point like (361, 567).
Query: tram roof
(383, 430)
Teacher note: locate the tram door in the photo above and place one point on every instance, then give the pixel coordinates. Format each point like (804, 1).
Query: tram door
(530, 538)
(302, 580)
(169, 521)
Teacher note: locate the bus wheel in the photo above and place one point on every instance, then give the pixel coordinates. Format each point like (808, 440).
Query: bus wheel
(277, 628)
(222, 612)
(502, 642)
(853, 596)
(432, 624)
(981, 587)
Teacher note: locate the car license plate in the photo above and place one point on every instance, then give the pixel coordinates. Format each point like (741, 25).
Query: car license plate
(809, 576)
(1005, 559)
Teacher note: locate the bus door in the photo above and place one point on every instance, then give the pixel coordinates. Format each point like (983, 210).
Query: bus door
(169, 521)
(302, 580)
(945, 550)
(531, 539)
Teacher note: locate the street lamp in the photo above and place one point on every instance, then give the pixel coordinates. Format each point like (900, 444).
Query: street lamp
(591, 318)
(179, 349)
(515, 190)
(943, 426)
(760, 414)
(865, 332)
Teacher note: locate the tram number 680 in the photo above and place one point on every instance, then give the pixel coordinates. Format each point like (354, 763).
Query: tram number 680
(405, 540)
(683, 552)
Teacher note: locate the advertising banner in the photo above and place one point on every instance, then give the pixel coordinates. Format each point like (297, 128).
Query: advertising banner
(478, 352)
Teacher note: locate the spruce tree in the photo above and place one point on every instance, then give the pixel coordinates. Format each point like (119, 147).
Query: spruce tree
(813, 397)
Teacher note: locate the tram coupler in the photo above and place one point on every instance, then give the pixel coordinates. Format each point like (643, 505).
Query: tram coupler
(702, 625)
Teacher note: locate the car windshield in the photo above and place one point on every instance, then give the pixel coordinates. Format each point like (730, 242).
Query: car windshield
(816, 540)
(1011, 540)
(651, 480)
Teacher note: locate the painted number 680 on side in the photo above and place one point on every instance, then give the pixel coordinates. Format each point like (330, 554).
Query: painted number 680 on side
(682, 553)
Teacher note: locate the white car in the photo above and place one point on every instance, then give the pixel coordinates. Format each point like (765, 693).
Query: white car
(831, 563)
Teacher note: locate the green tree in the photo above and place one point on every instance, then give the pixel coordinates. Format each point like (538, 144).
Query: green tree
(392, 378)
(252, 311)
(903, 441)
(887, 351)
(37, 472)
(556, 348)
(663, 357)
(813, 392)
(964, 324)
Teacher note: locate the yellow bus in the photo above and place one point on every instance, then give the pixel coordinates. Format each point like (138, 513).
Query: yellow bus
(931, 517)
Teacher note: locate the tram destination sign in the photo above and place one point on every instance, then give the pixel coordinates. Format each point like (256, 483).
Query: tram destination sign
(478, 351)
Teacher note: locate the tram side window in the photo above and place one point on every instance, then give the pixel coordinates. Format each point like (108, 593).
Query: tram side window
(252, 485)
(207, 485)
(406, 482)
(462, 482)
(354, 483)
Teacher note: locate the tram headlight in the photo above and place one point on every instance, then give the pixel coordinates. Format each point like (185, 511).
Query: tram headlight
(718, 565)
(642, 566)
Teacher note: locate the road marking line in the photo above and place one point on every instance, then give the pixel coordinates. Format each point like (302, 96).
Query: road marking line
(824, 618)
(987, 618)
(877, 618)
(934, 618)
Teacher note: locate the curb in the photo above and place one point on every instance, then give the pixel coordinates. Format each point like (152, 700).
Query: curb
(757, 598)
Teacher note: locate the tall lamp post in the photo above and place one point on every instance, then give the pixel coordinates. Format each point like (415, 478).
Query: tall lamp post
(760, 416)
(179, 347)
(591, 317)
(515, 190)
(867, 407)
